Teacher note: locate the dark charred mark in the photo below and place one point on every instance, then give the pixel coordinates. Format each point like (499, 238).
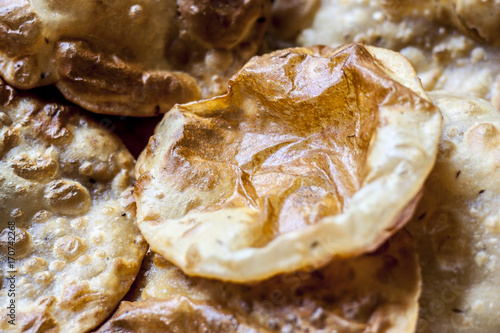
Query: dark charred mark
(458, 174)
(481, 192)
(422, 216)
(285, 55)
(261, 20)
(92, 180)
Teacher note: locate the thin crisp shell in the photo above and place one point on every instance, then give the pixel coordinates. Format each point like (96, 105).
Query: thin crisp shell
(66, 195)
(457, 224)
(204, 194)
(377, 292)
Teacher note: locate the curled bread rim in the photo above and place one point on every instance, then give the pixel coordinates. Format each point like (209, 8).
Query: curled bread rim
(342, 235)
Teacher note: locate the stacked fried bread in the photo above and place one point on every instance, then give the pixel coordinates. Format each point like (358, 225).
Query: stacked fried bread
(321, 159)
(454, 48)
(457, 225)
(70, 244)
(311, 188)
(134, 58)
(373, 292)
(453, 45)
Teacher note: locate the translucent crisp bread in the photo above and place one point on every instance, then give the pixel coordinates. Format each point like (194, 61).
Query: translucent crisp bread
(314, 153)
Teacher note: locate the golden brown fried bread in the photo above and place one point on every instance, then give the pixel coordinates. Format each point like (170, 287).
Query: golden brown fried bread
(478, 18)
(129, 57)
(457, 224)
(313, 153)
(444, 58)
(377, 292)
(68, 225)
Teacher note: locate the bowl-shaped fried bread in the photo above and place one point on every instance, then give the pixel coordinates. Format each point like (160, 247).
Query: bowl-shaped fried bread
(127, 57)
(457, 224)
(70, 247)
(313, 153)
(444, 57)
(377, 292)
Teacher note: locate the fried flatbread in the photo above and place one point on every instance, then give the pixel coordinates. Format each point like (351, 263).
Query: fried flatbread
(70, 246)
(377, 292)
(127, 57)
(477, 18)
(313, 153)
(457, 224)
(444, 58)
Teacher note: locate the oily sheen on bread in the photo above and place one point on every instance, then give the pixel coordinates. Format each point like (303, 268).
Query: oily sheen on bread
(313, 153)
(68, 230)
(376, 292)
(125, 57)
(453, 45)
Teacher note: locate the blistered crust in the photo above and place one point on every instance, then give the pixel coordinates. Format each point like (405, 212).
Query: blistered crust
(129, 57)
(457, 223)
(298, 153)
(377, 292)
(65, 190)
(444, 57)
(477, 18)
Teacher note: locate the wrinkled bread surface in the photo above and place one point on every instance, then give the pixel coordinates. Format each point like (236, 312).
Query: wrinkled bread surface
(126, 57)
(457, 224)
(377, 292)
(67, 217)
(444, 57)
(313, 153)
